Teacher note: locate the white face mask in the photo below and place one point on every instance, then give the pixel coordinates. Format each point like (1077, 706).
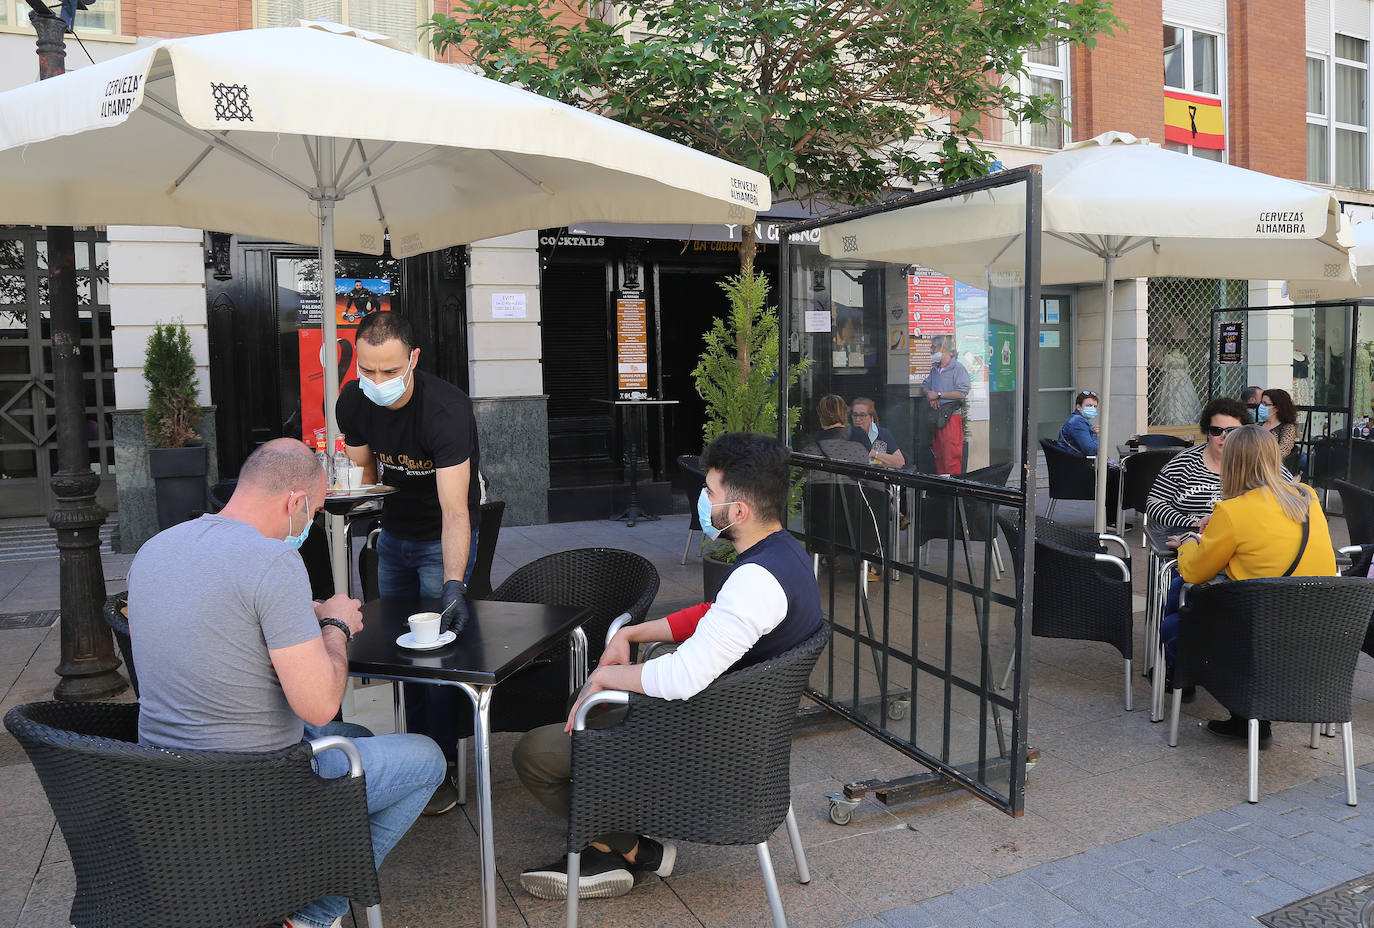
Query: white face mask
(935, 358)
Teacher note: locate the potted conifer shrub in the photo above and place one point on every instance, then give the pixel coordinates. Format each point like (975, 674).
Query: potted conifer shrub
(737, 377)
(177, 459)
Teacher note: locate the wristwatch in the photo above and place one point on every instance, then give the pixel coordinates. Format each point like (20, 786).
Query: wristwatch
(340, 624)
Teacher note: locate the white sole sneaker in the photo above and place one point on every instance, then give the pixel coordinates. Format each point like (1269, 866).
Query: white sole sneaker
(551, 884)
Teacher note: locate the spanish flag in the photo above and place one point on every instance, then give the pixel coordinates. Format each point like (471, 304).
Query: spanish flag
(1193, 120)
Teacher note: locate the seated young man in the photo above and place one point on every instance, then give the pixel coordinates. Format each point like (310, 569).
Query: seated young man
(768, 605)
(234, 656)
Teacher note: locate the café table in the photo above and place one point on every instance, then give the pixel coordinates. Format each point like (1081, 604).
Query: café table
(340, 507)
(499, 639)
(1159, 573)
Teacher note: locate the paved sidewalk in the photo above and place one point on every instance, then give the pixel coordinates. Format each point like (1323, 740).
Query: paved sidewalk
(1119, 829)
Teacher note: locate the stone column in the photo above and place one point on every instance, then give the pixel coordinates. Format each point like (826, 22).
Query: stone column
(1128, 358)
(1269, 337)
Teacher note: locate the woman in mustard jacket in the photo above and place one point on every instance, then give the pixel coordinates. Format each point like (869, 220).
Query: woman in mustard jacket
(1255, 530)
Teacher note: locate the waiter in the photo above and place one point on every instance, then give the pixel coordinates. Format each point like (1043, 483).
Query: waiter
(411, 430)
(946, 387)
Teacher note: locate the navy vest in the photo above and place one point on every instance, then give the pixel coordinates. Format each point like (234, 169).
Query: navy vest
(783, 556)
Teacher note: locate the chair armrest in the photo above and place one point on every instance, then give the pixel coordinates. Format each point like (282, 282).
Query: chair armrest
(1117, 539)
(577, 659)
(1117, 562)
(601, 698)
(649, 650)
(1350, 549)
(617, 624)
(340, 743)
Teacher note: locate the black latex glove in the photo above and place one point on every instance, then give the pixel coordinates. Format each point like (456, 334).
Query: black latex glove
(455, 611)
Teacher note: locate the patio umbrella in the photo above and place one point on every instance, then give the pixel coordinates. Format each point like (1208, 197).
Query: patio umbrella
(1313, 291)
(322, 134)
(1117, 207)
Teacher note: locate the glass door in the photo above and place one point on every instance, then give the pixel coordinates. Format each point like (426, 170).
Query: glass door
(1057, 387)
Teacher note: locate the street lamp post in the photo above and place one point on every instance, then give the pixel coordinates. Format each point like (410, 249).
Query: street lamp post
(88, 664)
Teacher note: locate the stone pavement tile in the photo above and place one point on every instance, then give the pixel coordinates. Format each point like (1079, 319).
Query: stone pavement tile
(650, 902)
(1156, 910)
(1090, 898)
(1005, 845)
(1053, 769)
(1216, 914)
(890, 869)
(733, 897)
(944, 911)
(908, 916)
(1159, 874)
(1030, 903)
(1082, 871)
(1311, 877)
(1107, 745)
(1098, 809)
(49, 901)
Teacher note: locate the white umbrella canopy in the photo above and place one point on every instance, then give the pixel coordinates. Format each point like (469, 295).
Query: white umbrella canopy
(1116, 207)
(1313, 291)
(322, 134)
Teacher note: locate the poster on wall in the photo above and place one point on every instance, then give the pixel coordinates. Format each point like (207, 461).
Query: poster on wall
(632, 349)
(971, 339)
(312, 376)
(1003, 368)
(930, 311)
(356, 297)
(1230, 342)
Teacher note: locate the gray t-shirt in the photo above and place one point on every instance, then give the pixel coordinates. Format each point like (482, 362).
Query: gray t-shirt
(207, 600)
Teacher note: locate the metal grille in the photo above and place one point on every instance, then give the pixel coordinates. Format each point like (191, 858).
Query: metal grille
(1180, 321)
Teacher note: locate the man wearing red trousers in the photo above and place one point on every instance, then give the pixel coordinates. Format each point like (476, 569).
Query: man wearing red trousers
(946, 387)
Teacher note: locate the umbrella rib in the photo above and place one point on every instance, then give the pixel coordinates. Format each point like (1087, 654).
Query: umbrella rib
(420, 160)
(348, 156)
(162, 111)
(367, 164)
(314, 160)
(191, 167)
(376, 197)
(533, 180)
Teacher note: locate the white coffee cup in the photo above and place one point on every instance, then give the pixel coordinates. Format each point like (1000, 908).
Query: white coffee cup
(424, 627)
(355, 477)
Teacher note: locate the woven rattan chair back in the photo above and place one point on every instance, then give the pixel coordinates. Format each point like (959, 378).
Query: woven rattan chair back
(938, 512)
(609, 581)
(1162, 440)
(1281, 648)
(488, 533)
(115, 604)
(1139, 472)
(713, 769)
(1357, 505)
(163, 839)
(1075, 598)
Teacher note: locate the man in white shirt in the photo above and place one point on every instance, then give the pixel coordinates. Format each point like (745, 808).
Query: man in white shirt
(768, 605)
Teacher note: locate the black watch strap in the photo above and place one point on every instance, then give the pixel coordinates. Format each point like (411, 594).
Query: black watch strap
(340, 624)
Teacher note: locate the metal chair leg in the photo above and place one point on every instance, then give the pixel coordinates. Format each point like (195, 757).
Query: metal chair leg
(688, 546)
(816, 565)
(1348, 749)
(1316, 733)
(1128, 686)
(1006, 677)
(374, 916)
(574, 870)
(1173, 716)
(770, 886)
(460, 773)
(1049, 513)
(798, 852)
(1253, 727)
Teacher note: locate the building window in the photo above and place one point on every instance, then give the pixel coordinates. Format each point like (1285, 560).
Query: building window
(1350, 111)
(399, 19)
(1318, 123)
(100, 19)
(1047, 72)
(1194, 72)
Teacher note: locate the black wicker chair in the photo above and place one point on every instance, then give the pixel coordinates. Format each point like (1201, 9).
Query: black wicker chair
(1162, 440)
(940, 517)
(690, 479)
(1072, 477)
(1082, 592)
(1357, 505)
(1361, 556)
(115, 606)
(713, 769)
(1138, 474)
(1281, 648)
(162, 839)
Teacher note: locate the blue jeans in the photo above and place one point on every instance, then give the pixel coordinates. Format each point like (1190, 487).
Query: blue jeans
(402, 772)
(411, 569)
(1168, 626)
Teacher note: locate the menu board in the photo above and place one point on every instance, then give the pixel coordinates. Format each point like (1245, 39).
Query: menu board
(930, 311)
(632, 345)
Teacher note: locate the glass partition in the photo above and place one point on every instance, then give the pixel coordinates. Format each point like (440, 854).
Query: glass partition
(913, 328)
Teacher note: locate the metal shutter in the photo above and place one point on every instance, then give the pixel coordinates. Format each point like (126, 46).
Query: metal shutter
(576, 339)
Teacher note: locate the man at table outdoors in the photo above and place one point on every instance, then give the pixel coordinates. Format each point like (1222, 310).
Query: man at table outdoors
(411, 430)
(234, 656)
(948, 382)
(768, 604)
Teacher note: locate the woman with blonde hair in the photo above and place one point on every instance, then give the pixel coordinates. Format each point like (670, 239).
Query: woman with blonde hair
(1265, 525)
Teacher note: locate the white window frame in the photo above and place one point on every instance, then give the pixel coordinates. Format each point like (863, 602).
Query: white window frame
(1017, 132)
(16, 20)
(1324, 119)
(1333, 124)
(1219, 96)
(424, 10)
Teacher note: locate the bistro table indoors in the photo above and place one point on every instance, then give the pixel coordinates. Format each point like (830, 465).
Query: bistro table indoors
(499, 639)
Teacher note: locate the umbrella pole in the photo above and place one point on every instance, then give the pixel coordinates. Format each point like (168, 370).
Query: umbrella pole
(338, 543)
(1104, 393)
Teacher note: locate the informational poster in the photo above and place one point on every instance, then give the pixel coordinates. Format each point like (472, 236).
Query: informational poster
(818, 320)
(312, 376)
(1231, 342)
(356, 297)
(971, 338)
(1003, 368)
(508, 306)
(930, 311)
(632, 345)
(1049, 339)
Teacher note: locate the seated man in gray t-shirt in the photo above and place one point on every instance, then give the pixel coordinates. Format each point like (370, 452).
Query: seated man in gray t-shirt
(233, 655)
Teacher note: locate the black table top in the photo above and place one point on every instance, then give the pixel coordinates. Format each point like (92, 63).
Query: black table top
(499, 639)
(1159, 535)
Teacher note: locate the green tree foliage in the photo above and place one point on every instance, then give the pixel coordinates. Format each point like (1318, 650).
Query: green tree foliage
(170, 371)
(836, 101)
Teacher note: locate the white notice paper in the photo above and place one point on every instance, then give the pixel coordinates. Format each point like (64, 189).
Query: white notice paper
(818, 320)
(508, 306)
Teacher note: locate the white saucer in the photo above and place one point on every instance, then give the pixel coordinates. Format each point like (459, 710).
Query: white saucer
(408, 642)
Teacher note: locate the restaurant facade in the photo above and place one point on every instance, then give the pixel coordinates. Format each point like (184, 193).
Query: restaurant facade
(540, 326)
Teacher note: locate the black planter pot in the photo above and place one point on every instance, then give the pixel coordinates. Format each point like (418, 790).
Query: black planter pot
(179, 476)
(712, 576)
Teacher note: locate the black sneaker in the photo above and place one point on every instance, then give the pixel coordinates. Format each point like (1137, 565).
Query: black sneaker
(1239, 728)
(653, 857)
(601, 875)
(445, 796)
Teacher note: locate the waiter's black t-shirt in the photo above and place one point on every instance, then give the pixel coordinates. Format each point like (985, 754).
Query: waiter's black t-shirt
(434, 429)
